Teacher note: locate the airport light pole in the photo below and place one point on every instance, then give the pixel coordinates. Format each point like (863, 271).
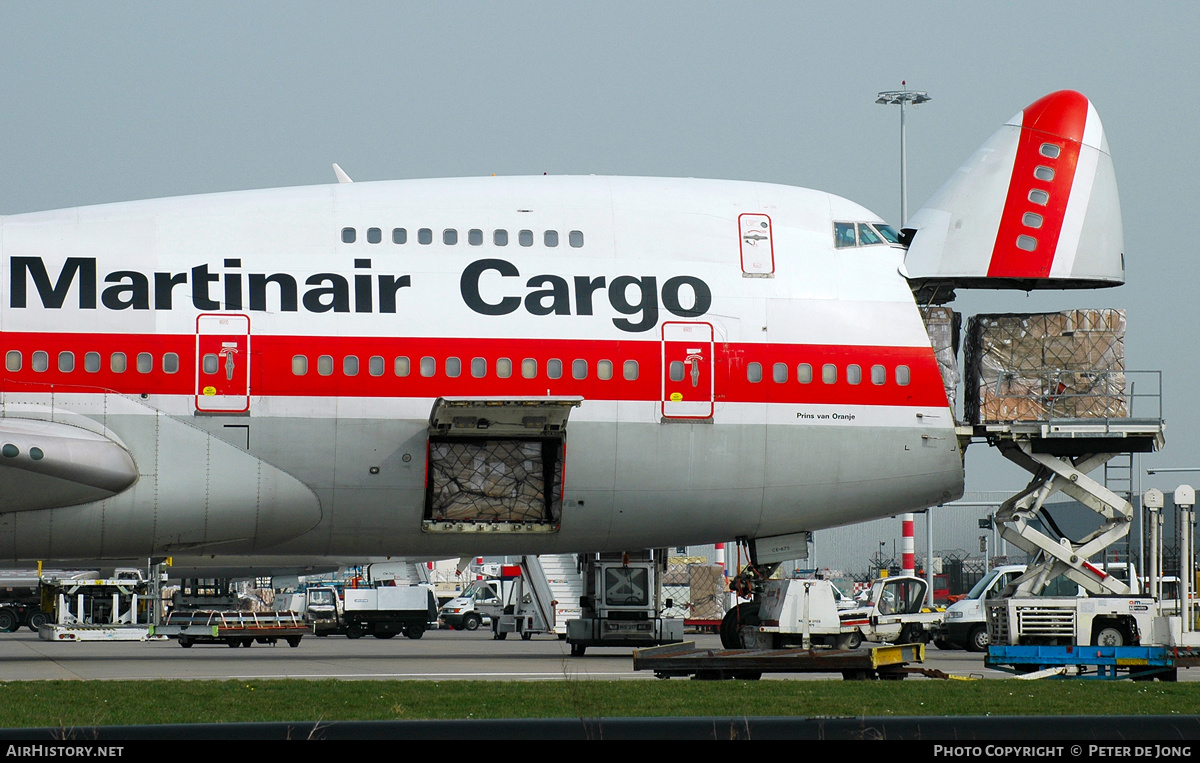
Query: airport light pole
(903, 98)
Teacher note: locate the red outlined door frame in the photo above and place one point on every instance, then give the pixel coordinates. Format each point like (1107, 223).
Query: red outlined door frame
(228, 338)
(690, 344)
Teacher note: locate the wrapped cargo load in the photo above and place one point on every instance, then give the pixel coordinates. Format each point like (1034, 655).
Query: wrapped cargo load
(503, 480)
(943, 326)
(1035, 367)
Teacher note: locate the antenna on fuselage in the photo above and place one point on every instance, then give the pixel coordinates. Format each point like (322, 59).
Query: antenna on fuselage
(342, 177)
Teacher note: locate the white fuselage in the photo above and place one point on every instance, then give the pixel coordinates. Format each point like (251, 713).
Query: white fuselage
(269, 361)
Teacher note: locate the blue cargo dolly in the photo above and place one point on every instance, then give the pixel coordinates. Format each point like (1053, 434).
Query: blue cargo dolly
(1142, 663)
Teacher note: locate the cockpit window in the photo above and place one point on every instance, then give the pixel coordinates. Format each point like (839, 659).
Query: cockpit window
(843, 235)
(846, 235)
(867, 235)
(888, 232)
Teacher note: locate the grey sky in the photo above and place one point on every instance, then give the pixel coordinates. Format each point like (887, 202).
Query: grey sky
(113, 101)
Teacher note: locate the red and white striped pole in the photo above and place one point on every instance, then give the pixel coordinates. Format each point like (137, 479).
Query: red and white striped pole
(908, 557)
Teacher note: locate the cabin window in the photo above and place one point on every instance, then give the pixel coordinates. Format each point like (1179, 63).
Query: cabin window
(299, 365)
(779, 373)
(630, 370)
(325, 365)
(579, 368)
(453, 367)
(350, 365)
(575, 238)
(1031, 220)
(450, 237)
(428, 366)
(903, 376)
(1049, 150)
(66, 362)
(1042, 172)
(525, 238)
(375, 365)
(675, 371)
(117, 363)
(349, 235)
(399, 235)
(425, 236)
(500, 237)
(1026, 243)
(145, 363)
(804, 373)
(554, 368)
(1041, 198)
(604, 370)
(210, 363)
(91, 362)
(12, 360)
(401, 367)
(171, 363)
(878, 375)
(529, 368)
(41, 361)
(503, 367)
(475, 237)
(374, 235)
(829, 373)
(754, 373)
(854, 374)
(550, 238)
(479, 367)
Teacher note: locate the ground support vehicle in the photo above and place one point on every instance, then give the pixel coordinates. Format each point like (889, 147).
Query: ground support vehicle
(97, 609)
(964, 625)
(480, 602)
(805, 612)
(1141, 663)
(884, 662)
(21, 598)
(382, 612)
(232, 628)
(622, 603)
(531, 606)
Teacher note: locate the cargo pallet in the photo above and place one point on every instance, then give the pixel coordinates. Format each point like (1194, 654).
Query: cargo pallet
(1141, 663)
(674, 660)
(233, 628)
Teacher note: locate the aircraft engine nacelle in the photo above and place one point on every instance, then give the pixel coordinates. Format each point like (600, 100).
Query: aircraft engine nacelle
(1035, 207)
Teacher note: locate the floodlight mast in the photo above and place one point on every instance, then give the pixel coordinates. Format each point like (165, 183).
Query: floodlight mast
(903, 97)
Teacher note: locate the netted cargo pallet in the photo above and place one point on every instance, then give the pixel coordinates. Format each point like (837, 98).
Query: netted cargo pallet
(503, 480)
(1035, 367)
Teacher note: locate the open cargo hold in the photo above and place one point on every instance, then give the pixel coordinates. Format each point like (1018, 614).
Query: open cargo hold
(496, 464)
(1035, 367)
(944, 326)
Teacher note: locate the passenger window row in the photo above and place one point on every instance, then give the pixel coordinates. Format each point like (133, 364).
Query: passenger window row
(452, 367)
(829, 374)
(118, 362)
(474, 237)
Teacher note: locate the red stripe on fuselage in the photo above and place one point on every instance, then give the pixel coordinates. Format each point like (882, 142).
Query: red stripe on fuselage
(272, 361)
(1057, 119)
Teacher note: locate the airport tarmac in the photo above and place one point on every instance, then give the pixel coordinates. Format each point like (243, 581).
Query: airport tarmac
(439, 656)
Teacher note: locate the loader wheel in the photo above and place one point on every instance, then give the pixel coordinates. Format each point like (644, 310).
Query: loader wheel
(1109, 634)
(745, 613)
(977, 639)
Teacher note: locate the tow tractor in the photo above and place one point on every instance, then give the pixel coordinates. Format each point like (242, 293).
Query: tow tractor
(623, 603)
(805, 613)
